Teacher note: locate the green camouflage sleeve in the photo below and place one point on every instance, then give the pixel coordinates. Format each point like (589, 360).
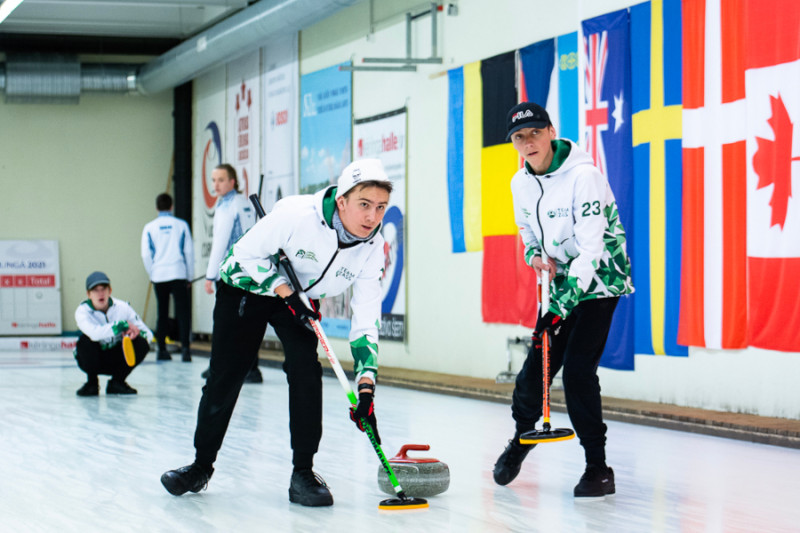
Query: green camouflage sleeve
(365, 355)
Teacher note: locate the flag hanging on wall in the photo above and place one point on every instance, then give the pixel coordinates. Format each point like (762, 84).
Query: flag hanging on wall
(657, 164)
(607, 137)
(500, 292)
(464, 141)
(713, 306)
(772, 81)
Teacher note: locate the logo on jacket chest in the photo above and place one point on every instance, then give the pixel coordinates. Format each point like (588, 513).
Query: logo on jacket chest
(559, 212)
(302, 254)
(346, 274)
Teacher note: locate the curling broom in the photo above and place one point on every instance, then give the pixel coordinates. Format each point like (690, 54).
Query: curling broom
(546, 434)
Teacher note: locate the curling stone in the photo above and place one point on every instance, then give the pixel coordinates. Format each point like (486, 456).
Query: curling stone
(418, 476)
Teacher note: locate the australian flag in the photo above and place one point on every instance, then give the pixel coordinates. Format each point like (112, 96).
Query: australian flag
(607, 137)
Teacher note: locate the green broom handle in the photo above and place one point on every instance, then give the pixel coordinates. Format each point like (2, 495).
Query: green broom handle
(340, 375)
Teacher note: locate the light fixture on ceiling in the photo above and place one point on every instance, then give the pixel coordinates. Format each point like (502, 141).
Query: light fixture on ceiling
(7, 7)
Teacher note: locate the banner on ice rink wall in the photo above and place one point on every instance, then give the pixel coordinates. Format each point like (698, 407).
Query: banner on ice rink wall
(244, 102)
(325, 147)
(30, 288)
(325, 126)
(209, 135)
(280, 129)
(384, 137)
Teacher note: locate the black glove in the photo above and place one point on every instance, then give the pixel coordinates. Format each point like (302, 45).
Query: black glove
(299, 310)
(550, 322)
(365, 409)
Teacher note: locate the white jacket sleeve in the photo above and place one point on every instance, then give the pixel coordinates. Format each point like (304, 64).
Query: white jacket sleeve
(529, 240)
(223, 225)
(188, 252)
(147, 256)
(365, 320)
(132, 317)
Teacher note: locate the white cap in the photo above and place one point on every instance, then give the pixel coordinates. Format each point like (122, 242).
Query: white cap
(361, 171)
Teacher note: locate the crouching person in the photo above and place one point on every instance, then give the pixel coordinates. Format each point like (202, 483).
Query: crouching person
(105, 323)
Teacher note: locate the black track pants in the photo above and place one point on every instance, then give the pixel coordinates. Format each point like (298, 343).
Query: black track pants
(578, 348)
(93, 360)
(183, 312)
(240, 321)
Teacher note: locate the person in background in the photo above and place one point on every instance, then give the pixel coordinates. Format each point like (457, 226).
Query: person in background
(333, 241)
(104, 322)
(233, 216)
(564, 207)
(168, 256)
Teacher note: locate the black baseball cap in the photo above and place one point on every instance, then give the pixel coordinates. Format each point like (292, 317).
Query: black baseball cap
(95, 279)
(526, 115)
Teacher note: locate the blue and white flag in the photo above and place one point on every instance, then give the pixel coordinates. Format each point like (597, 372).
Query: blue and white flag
(607, 136)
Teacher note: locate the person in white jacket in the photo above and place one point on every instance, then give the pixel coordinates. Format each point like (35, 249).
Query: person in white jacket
(333, 241)
(233, 216)
(168, 257)
(103, 322)
(564, 207)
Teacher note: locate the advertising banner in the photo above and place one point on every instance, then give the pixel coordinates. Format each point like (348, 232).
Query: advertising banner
(30, 288)
(281, 123)
(384, 137)
(209, 133)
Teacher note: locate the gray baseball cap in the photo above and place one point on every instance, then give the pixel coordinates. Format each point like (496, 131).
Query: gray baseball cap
(95, 279)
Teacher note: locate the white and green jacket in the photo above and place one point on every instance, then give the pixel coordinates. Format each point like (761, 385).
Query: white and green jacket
(302, 227)
(571, 212)
(108, 327)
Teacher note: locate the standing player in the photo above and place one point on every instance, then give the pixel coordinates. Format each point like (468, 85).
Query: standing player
(564, 207)
(333, 241)
(168, 257)
(233, 216)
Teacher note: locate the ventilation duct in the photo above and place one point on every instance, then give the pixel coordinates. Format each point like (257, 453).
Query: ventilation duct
(60, 78)
(42, 79)
(243, 32)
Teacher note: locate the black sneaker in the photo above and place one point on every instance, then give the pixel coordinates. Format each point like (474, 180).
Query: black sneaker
(90, 388)
(192, 478)
(596, 482)
(163, 355)
(308, 489)
(116, 386)
(254, 376)
(509, 463)
(186, 356)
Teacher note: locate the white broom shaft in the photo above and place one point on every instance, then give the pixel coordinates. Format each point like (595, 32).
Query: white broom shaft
(545, 286)
(326, 345)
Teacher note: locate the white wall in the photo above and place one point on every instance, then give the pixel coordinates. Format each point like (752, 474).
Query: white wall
(445, 331)
(87, 176)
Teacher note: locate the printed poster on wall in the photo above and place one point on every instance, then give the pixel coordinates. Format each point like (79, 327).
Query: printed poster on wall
(384, 137)
(243, 130)
(325, 146)
(30, 288)
(280, 130)
(325, 127)
(208, 135)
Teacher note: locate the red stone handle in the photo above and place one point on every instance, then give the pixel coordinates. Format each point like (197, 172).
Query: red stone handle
(402, 456)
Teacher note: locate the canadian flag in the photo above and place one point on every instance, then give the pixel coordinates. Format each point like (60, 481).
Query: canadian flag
(772, 88)
(741, 245)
